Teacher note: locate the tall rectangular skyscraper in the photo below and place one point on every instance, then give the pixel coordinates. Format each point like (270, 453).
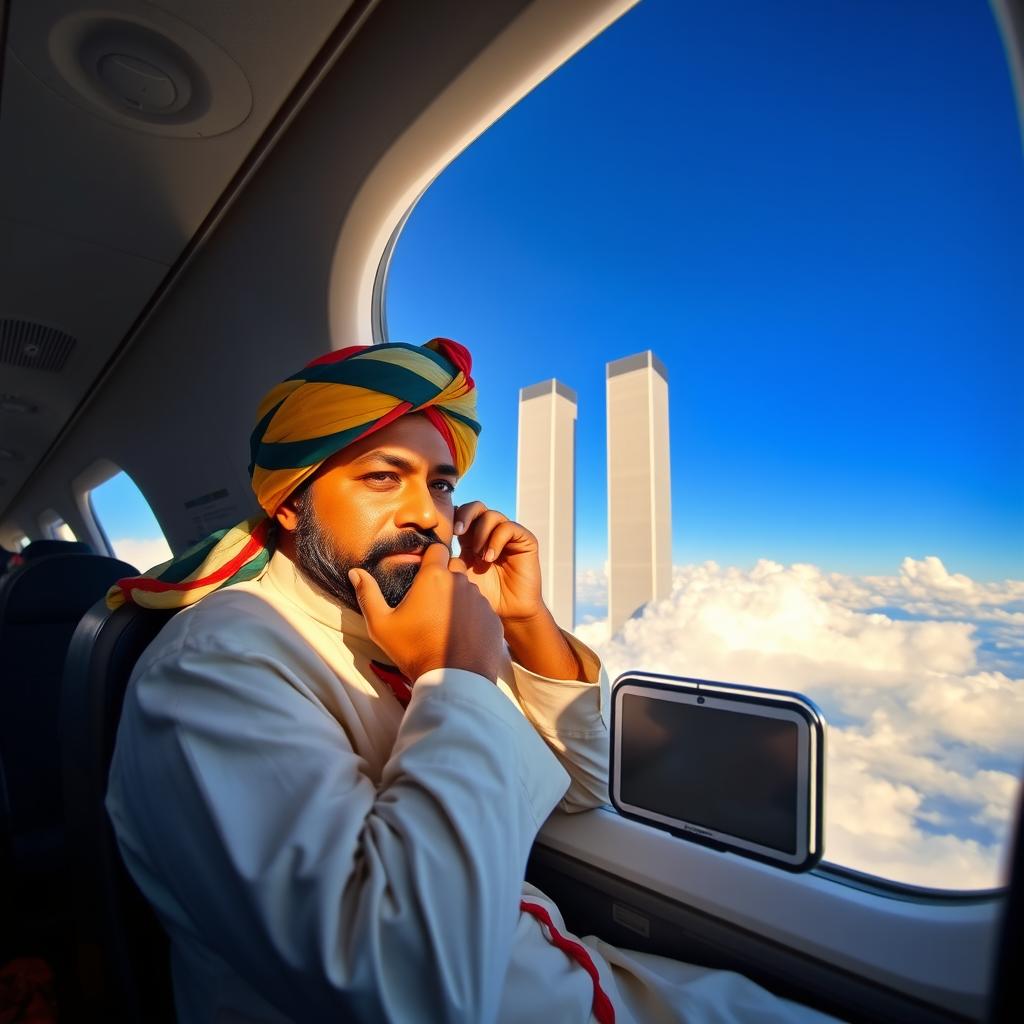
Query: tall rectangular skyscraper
(639, 486)
(546, 489)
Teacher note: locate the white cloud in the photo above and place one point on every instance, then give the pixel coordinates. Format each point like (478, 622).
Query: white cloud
(592, 587)
(142, 552)
(924, 758)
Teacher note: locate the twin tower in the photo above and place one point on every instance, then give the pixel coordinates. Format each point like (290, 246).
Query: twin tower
(639, 487)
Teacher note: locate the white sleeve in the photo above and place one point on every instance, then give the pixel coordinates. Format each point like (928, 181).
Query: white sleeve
(334, 899)
(572, 717)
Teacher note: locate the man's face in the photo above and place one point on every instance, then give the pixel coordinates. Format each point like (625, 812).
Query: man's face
(376, 505)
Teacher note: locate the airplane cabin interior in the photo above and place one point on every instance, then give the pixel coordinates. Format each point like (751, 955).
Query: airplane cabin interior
(196, 198)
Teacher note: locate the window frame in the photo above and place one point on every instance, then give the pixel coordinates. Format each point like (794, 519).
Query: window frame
(934, 948)
(94, 475)
(1010, 26)
(51, 521)
(838, 874)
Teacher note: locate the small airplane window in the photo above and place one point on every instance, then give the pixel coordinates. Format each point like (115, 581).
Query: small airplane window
(741, 283)
(127, 520)
(61, 531)
(55, 528)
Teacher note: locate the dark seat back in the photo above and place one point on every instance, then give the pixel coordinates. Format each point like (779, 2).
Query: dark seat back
(40, 606)
(48, 548)
(111, 913)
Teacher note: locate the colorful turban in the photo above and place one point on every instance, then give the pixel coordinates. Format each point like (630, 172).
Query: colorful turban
(332, 402)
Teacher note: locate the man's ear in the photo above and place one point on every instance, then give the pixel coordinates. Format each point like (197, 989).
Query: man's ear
(287, 514)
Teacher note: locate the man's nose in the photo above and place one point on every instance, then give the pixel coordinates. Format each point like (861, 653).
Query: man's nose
(417, 508)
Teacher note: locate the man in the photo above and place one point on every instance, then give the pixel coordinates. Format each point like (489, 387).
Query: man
(330, 769)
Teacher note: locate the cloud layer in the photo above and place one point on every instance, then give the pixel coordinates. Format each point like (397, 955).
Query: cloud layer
(143, 553)
(921, 675)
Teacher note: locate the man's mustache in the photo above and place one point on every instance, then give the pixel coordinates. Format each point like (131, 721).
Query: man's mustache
(404, 543)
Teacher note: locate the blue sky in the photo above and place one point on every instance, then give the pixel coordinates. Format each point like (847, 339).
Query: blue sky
(120, 506)
(814, 214)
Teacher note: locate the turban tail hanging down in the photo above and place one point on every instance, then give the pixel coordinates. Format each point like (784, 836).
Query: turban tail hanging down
(332, 402)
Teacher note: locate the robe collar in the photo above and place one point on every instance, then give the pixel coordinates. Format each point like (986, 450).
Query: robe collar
(286, 576)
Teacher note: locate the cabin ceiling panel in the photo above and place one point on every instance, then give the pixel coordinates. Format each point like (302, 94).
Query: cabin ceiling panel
(67, 170)
(67, 165)
(96, 203)
(87, 291)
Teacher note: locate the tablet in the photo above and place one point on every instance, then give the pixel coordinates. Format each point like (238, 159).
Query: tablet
(738, 768)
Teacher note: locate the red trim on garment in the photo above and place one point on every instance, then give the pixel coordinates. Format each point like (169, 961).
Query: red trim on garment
(602, 1007)
(400, 686)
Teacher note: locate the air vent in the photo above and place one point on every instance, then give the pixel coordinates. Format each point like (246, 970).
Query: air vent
(15, 403)
(34, 346)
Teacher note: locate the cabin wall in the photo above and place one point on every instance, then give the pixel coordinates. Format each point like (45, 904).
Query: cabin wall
(289, 271)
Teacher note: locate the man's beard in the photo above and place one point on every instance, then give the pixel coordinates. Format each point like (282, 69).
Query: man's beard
(328, 568)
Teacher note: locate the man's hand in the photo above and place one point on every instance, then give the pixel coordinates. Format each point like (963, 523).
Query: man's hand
(502, 559)
(442, 622)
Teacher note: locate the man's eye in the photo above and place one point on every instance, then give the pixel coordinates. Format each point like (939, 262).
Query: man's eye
(380, 478)
(445, 486)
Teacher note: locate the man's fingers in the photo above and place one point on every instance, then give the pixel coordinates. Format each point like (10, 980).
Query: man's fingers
(465, 515)
(456, 564)
(437, 554)
(500, 536)
(474, 542)
(492, 535)
(371, 600)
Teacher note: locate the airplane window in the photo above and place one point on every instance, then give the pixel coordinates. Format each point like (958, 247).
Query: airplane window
(127, 520)
(812, 217)
(61, 531)
(55, 528)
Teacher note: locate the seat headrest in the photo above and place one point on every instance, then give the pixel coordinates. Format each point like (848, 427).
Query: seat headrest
(59, 589)
(46, 548)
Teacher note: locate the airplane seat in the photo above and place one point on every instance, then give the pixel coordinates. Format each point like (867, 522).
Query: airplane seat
(111, 915)
(43, 549)
(48, 548)
(40, 605)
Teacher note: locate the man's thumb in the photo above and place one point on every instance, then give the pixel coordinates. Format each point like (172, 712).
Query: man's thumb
(371, 600)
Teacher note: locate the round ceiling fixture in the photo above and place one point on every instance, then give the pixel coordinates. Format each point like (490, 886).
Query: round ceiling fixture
(152, 73)
(140, 85)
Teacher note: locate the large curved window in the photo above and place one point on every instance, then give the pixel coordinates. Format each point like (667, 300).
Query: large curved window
(813, 217)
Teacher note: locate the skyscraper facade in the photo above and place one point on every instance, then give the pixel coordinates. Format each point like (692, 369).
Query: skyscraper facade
(546, 489)
(639, 486)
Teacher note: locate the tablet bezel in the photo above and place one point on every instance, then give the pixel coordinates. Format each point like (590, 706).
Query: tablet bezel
(736, 699)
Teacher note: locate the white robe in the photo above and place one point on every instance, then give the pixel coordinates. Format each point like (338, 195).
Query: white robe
(318, 854)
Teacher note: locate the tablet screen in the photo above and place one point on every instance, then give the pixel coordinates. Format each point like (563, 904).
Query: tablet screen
(730, 772)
